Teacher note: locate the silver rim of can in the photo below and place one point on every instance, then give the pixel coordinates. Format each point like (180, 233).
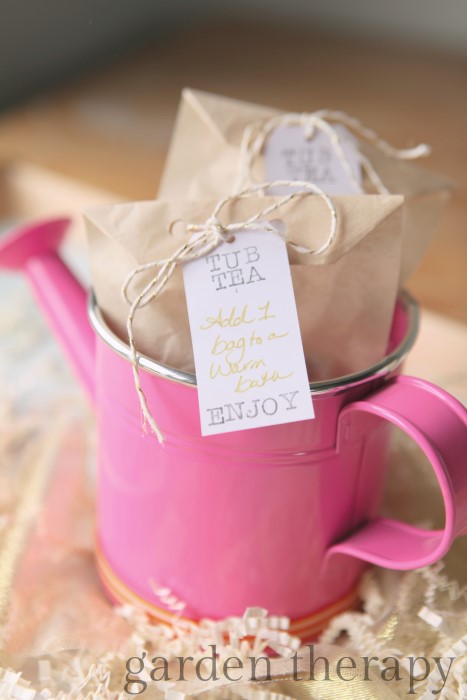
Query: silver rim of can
(381, 368)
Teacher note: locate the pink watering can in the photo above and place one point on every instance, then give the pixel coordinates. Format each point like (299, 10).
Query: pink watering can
(282, 517)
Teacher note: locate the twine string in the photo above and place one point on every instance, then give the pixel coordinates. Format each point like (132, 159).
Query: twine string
(256, 135)
(204, 239)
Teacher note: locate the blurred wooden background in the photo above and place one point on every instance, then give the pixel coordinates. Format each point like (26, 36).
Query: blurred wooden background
(112, 128)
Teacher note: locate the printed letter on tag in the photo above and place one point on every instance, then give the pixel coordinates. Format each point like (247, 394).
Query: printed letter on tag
(249, 361)
(289, 155)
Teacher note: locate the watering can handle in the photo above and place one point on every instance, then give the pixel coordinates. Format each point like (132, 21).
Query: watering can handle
(438, 424)
(32, 249)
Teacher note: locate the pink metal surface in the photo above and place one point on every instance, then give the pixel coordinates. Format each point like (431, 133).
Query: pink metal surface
(33, 250)
(438, 424)
(283, 517)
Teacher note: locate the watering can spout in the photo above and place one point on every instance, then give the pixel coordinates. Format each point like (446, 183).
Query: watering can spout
(32, 249)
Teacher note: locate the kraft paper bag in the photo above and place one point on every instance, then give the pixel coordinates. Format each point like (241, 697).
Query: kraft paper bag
(345, 297)
(204, 161)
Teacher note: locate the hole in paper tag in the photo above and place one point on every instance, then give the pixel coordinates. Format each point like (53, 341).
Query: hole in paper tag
(289, 155)
(177, 228)
(248, 353)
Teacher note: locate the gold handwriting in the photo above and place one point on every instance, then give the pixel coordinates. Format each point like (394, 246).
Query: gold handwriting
(244, 384)
(232, 320)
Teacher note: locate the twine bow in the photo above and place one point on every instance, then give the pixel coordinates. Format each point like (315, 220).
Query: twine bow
(325, 120)
(204, 239)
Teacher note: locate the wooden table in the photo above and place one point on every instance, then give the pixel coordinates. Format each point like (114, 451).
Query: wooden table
(112, 128)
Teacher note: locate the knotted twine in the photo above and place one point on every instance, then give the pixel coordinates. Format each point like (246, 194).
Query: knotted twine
(325, 120)
(205, 238)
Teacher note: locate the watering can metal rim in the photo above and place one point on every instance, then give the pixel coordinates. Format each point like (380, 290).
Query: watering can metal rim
(381, 368)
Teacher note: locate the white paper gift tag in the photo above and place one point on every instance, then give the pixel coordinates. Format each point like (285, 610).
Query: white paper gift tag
(248, 352)
(289, 155)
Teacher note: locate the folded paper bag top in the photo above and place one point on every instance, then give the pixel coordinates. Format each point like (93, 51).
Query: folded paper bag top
(205, 157)
(345, 297)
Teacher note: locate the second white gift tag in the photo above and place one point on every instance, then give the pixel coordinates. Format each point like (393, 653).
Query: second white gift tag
(289, 155)
(250, 366)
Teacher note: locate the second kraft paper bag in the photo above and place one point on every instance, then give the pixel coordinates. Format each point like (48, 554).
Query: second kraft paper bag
(205, 155)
